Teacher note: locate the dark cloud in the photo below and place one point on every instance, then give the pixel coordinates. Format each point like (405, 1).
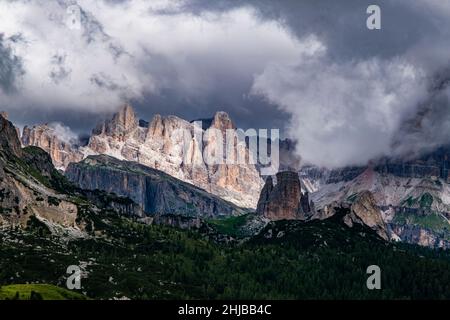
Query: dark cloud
(342, 24)
(311, 68)
(10, 65)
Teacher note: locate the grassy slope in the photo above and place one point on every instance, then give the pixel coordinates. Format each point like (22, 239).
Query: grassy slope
(433, 221)
(45, 291)
(230, 226)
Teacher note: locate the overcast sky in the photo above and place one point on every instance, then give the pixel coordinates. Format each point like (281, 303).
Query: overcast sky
(311, 68)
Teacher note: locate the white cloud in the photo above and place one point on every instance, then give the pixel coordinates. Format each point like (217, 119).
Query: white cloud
(343, 113)
(63, 132)
(132, 48)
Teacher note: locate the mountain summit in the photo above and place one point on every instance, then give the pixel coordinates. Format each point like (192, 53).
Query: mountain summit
(159, 145)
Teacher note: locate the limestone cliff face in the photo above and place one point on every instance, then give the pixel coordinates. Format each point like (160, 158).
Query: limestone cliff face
(120, 126)
(160, 145)
(43, 136)
(284, 201)
(155, 191)
(263, 202)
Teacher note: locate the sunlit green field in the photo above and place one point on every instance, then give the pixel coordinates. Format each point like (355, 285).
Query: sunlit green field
(37, 292)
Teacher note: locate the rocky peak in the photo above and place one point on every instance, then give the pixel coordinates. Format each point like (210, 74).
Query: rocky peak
(265, 196)
(164, 133)
(4, 114)
(222, 121)
(120, 125)
(156, 126)
(45, 137)
(162, 145)
(126, 118)
(284, 200)
(9, 141)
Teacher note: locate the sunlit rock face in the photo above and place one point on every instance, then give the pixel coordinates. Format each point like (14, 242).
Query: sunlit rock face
(43, 136)
(164, 145)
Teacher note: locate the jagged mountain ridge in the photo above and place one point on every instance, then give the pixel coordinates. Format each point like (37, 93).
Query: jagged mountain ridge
(158, 145)
(413, 196)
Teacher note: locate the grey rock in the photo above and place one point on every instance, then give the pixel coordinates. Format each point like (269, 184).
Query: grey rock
(155, 191)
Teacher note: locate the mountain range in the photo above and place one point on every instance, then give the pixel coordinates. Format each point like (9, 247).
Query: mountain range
(403, 200)
(159, 145)
(130, 243)
(411, 196)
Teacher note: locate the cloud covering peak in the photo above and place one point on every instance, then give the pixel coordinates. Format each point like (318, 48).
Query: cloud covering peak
(345, 93)
(346, 113)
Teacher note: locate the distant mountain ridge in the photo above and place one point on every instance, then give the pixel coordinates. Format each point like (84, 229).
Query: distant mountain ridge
(413, 196)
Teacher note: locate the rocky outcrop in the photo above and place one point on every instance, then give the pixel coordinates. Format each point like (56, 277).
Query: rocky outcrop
(45, 137)
(406, 202)
(155, 191)
(162, 145)
(365, 211)
(222, 122)
(264, 198)
(9, 141)
(169, 144)
(284, 201)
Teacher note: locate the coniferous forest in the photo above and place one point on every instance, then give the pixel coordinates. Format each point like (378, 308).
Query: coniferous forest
(287, 260)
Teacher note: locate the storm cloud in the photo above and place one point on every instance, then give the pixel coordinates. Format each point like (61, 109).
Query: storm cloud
(164, 62)
(10, 65)
(346, 94)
